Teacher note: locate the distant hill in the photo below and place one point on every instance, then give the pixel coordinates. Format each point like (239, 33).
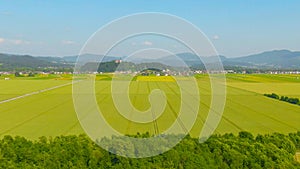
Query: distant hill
(52, 59)
(23, 62)
(277, 59)
(112, 66)
(90, 58)
(178, 60)
(8, 62)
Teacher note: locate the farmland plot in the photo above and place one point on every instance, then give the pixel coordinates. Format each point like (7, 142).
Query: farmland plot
(52, 113)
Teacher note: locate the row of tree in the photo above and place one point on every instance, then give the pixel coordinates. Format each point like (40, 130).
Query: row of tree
(284, 98)
(219, 151)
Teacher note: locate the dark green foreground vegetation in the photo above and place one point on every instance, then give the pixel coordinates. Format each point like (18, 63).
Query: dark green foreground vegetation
(284, 98)
(226, 151)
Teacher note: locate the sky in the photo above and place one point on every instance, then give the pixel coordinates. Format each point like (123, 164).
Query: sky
(61, 27)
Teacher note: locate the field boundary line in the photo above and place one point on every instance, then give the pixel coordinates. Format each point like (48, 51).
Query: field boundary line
(78, 122)
(207, 106)
(130, 115)
(177, 118)
(155, 124)
(35, 92)
(261, 113)
(32, 118)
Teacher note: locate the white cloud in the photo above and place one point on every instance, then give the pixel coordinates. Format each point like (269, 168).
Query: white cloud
(14, 41)
(2, 40)
(147, 43)
(68, 42)
(216, 37)
(19, 42)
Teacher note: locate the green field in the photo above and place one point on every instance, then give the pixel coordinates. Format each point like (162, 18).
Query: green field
(51, 112)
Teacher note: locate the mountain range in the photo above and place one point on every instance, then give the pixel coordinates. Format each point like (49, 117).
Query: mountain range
(276, 59)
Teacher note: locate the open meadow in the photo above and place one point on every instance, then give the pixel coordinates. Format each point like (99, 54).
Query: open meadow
(45, 107)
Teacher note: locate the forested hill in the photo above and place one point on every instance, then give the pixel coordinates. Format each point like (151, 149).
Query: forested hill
(226, 152)
(112, 66)
(25, 62)
(277, 59)
(11, 61)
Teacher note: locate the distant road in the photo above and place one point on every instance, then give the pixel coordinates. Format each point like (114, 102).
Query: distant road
(34, 93)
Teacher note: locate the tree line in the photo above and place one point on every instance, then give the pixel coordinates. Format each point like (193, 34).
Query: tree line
(219, 151)
(284, 98)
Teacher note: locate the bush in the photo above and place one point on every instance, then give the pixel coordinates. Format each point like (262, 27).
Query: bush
(284, 98)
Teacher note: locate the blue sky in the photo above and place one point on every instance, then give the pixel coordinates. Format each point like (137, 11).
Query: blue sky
(61, 27)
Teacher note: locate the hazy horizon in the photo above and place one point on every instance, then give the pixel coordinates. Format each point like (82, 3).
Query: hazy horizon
(160, 56)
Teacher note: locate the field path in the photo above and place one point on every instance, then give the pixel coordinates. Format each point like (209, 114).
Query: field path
(34, 93)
